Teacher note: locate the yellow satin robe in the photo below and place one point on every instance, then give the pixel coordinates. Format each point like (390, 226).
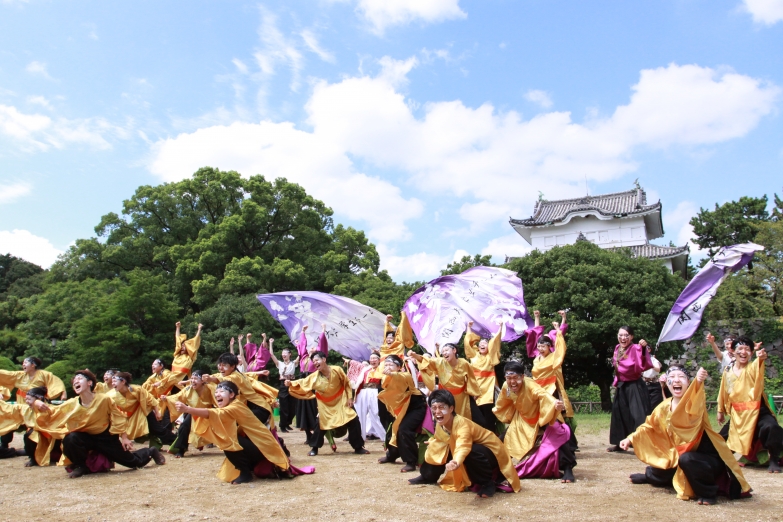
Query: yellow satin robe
(14, 415)
(5, 393)
(333, 395)
(524, 413)
(22, 382)
(667, 434)
(221, 429)
(459, 380)
(548, 373)
(403, 338)
(134, 405)
(102, 387)
(484, 365)
(166, 380)
(253, 390)
(194, 399)
(465, 433)
(396, 395)
(740, 397)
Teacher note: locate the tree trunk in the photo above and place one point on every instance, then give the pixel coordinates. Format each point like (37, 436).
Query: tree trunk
(606, 398)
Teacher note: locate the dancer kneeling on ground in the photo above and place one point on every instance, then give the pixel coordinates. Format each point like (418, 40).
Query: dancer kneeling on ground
(681, 448)
(243, 452)
(526, 407)
(406, 403)
(469, 454)
(93, 423)
(332, 390)
(751, 426)
(198, 395)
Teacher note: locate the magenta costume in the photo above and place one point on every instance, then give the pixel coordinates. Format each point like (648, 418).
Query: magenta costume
(532, 335)
(257, 356)
(631, 404)
(307, 409)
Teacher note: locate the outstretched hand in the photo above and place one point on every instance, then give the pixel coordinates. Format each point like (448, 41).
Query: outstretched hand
(701, 375)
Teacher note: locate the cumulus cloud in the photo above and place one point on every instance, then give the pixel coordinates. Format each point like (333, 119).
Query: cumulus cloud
(767, 12)
(540, 98)
(418, 266)
(13, 191)
(510, 245)
(387, 13)
(677, 226)
(23, 244)
(38, 68)
(38, 132)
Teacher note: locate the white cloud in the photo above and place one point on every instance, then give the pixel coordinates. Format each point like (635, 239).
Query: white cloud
(415, 267)
(767, 12)
(23, 244)
(676, 223)
(240, 65)
(510, 245)
(386, 13)
(14, 191)
(277, 50)
(311, 41)
(39, 100)
(38, 68)
(37, 132)
(540, 98)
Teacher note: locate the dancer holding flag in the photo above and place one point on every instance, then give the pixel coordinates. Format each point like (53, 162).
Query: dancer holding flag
(680, 447)
(752, 426)
(366, 381)
(484, 355)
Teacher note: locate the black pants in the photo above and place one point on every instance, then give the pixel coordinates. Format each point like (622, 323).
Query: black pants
(77, 445)
(768, 431)
(6, 439)
(655, 393)
(30, 446)
(567, 452)
(261, 414)
(489, 419)
(354, 435)
(287, 406)
(180, 444)
(161, 428)
(407, 449)
(480, 465)
(247, 458)
(386, 418)
(630, 408)
(702, 467)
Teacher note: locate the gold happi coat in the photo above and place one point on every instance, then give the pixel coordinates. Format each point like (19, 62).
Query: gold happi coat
(166, 379)
(14, 415)
(667, 434)
(22, 382)
(253, 390)
(102, 387)
(532, 408)
(333, 394)
(222, 428)
(484, 365)
(403, 338)
(459, 380)
(397, 390)
(194, 399)
(5, 393)
(134, 405)
(740, 397)
(548, 373)
(183, 362)
(465, 433)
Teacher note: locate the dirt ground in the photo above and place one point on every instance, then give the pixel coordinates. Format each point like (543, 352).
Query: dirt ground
(353, 487)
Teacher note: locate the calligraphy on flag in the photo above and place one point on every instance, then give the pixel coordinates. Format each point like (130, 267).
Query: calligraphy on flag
(440, 310)
(688, 309)
(353, 329)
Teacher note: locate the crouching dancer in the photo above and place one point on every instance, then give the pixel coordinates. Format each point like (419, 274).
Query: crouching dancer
(681, 448)
(468, 453)
(243, 452)
(91, 422)
(527, 407)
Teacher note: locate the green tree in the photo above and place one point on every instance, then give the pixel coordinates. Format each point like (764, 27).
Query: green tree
(729, 224)
(769, 265)
(601, 290)
(457, 267)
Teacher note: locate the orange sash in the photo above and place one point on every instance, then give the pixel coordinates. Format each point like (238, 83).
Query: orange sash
(532, 422)
(330, 398)
(454, 391)
(742, 406)
(128, 414)
(547, 381)
(180, 369)
(685, 448)
(20, 395)
(484, 373)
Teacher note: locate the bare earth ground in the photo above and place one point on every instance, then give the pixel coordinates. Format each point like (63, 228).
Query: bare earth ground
(352, 487)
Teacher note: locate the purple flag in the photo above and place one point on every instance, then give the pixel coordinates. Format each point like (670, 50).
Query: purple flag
(352, 329)
(688, 310)
(439, 311)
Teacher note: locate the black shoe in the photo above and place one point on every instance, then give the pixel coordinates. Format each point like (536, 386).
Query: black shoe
(313, 452)
(78, 472)
(243, 477)
(568, 476)
(157, 457)
(486, 491)
(386, 460)
(638, 478)
(361, 451)
(284, 430)
(417, 480)
(708, 501)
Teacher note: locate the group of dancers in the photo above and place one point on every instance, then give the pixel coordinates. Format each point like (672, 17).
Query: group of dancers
(444, 416)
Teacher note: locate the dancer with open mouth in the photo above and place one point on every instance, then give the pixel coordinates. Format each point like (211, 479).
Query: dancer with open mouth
(32, 377)
(751, 425)
(484, 355)
(681, 448)
(198, 395)
(91, 422)
(469, 454)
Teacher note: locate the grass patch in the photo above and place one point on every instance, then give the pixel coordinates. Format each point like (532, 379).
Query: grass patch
(592, 423)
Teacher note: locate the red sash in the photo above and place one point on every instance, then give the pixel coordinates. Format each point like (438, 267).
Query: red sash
(742, 406)
(484, 373)
(331, 397)
(547, 381)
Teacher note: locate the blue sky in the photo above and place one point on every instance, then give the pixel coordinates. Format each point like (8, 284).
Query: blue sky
(426, 123)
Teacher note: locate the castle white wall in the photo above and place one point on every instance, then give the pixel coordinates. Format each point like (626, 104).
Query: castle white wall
(610, 233)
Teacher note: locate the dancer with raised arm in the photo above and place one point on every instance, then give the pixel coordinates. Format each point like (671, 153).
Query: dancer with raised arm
(752, 425)
(484, 355)
(680, 447)
(330, 387)
(257, 355)
(365, 379)
(307, 409)
(469, 454)
(286, 368)
(631, 404)
(406, 403)
(259, 396)
(198, 395)
(725, 357)
(137, 405)
(91, 422)
(527, 407)
(32, 377)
